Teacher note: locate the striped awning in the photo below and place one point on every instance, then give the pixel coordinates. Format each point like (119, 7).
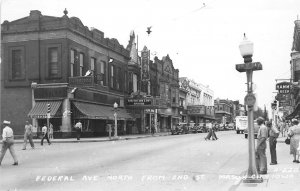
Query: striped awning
(95, 111)
(40, 109)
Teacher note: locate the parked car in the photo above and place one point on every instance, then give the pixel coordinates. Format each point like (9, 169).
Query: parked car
(256, 127)
(177, 130)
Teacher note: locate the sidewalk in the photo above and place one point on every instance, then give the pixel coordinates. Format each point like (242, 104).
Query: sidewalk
(99, 139)
(283, 176)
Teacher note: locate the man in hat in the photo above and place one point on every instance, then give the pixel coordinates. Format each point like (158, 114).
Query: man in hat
(8, 142)
(261, 146)
(28, 135)
(273, 135)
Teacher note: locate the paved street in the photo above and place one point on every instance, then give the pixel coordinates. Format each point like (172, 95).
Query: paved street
(181, 162)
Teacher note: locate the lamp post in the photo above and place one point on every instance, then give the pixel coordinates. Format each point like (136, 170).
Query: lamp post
(116, 123)
(246, 50)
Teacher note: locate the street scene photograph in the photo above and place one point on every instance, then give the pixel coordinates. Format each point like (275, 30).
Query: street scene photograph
(150, 95)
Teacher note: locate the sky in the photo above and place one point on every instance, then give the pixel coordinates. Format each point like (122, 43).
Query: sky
(201, 37)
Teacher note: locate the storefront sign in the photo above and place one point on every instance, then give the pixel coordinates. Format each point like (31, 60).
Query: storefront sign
(196, 110)
(140, 102)
(44, 93)
(283, 87)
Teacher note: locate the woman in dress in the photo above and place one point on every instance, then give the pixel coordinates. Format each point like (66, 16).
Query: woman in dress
(294, 134)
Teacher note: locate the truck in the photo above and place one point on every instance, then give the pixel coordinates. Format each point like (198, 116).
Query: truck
(241, 123)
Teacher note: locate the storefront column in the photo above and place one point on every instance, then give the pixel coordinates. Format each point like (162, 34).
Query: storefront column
(66, 119)
(124, 126)
(34, 120)
(143, 122)
(155, 120)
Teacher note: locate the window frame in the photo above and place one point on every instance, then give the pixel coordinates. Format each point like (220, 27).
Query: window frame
(59, 61)
(22, 64)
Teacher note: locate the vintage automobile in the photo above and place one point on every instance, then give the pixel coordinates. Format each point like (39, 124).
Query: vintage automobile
(256, 127)
(177, 130)
(195, 129)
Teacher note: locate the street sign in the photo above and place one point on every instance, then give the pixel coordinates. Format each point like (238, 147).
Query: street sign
(283, 87)
(250, 100)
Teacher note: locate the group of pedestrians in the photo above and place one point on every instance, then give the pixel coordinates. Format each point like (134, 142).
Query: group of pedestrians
(266, 131)
(269, 131)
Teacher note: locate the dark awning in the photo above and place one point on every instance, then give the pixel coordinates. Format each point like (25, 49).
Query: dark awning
(94, 111)
(40, 109)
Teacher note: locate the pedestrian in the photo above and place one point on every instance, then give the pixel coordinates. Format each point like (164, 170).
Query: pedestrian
(78, 127)
(262, 135)
(152, 128)
(294, 134)
(28, 135)
(8, 142)
(45, 135)
(51, 132)
(273, 135)
(211, 132)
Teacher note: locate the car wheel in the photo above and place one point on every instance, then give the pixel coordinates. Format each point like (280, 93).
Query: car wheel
(237, 132)
(246, 136)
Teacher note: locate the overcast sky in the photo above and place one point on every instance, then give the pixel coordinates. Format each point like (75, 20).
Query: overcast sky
(201, 37)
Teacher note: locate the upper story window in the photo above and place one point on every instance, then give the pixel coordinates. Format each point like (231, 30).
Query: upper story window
(112, 76)
(81, 57)
(53, 62)
(72, 63)
(17, 64)
(134, 82)
(92, 65)
(101, 73)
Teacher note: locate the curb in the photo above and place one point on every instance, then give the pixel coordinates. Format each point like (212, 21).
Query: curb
(94, 140)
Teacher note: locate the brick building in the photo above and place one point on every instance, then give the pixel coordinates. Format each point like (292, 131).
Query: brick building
(61, 62)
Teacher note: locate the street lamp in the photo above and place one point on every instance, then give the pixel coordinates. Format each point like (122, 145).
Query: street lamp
(116, 123)
(246, 49)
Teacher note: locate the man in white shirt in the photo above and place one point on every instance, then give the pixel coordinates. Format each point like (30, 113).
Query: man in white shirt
(8, 142)
(78, 127)
(28, 135)
(45, 135)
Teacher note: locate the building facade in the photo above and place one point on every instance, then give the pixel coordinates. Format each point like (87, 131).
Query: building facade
(61, 62)
(224, 111)
(294, 110)
(199, 101)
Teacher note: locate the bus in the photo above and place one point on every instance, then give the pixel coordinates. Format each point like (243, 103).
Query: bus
(241, 123)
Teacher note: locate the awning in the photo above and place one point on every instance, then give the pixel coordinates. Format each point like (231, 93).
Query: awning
(94, 111)
(40, 109)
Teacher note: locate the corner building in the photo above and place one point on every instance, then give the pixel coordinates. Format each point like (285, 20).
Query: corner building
(61, 62)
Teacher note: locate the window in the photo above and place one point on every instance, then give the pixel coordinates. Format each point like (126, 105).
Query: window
(81, 64)
(92, 66)
(17, 70)
(118, 78)
(134, 81)
(72, 63)
(112, 79)
(102, 72)
(53, 62)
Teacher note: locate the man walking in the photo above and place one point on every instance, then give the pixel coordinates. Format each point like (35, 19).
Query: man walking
(45, 135)
(8, 142)
(78, 127)
(261, 147)
(28, 135)
(273, 135)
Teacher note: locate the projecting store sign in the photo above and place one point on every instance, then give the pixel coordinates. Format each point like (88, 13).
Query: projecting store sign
(283, 87)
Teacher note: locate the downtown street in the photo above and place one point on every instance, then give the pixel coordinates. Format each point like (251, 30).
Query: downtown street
(179, 162)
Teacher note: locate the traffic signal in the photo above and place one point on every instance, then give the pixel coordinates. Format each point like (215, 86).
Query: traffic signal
(48, 108)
